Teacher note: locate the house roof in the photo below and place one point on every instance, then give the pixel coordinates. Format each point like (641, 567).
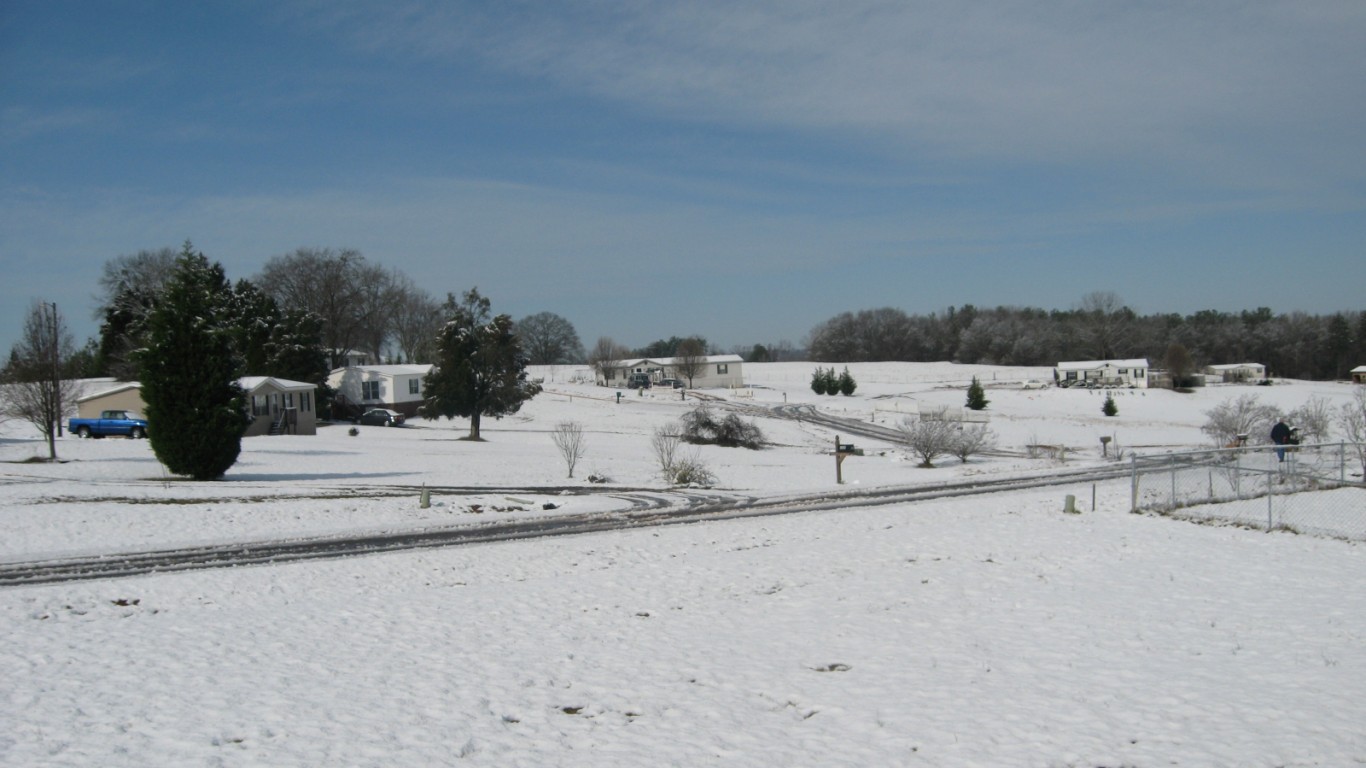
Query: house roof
(110, 391)
(674, 360)
(1359, 369)
(252, 383)
(390, 370)
(1091, 365)
(1233, 366)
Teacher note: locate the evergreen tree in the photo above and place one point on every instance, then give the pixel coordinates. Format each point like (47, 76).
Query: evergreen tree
(295, 350)
(189, 372)
(818, 380)
(846, 383)
(1109, 408)
(252, 317)
(977, 396)
(480, 368)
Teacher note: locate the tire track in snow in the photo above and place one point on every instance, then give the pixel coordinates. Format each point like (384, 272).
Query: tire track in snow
(645, 508)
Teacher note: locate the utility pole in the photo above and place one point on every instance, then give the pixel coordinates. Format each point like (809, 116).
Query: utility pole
(55, 341)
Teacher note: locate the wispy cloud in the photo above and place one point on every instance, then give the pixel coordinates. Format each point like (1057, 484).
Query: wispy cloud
(1208, 88)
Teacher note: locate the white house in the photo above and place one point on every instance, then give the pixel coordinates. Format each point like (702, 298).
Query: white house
(1359, 374)
(1103, 373)
(1231, 372)
(362, 387)
(715, 371)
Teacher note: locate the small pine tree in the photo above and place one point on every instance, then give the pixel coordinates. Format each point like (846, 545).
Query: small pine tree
(1109, 408)
(977, 396)
(846, 383)
(825, 382)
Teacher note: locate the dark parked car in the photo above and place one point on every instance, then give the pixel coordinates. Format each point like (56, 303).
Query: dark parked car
(638, 381)
(381, 417)
(675, 383)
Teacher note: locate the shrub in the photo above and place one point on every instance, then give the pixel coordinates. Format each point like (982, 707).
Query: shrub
(970, 441)
(1244, 415)
(665, 444)
(1109, 408)
(691, 471)
(700, 426)
(928, 439)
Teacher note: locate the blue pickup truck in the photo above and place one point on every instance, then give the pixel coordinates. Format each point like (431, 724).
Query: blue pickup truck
(125, 423)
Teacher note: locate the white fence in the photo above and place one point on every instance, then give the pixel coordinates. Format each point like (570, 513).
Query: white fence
(1310, 489)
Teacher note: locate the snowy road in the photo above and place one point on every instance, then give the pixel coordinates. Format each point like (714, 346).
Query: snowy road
(644, 509)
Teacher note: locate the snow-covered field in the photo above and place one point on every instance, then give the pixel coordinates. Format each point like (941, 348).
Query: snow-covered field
(983, 631)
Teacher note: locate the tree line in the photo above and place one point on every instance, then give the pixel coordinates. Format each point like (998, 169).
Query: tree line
(1292, 345)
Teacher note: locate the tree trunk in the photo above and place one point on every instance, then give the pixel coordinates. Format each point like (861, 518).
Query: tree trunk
(474, 425)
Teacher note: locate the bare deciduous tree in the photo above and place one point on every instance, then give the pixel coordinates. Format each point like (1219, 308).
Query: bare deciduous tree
(1353, 423)
(568, 437)
(549, 339)
(690, 359)
(605, 356)
(337, 286)
(415, 319)
(928, 439)
(34, 389)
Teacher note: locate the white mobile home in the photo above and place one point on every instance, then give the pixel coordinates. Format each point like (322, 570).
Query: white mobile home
(713, 371)
(1235, 372)
(362, 387)
(1102, 373)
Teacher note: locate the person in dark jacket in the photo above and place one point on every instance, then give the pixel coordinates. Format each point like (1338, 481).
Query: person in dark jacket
(1280, 436)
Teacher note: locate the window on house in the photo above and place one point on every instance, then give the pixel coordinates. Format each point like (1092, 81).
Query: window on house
(289, 400)
(305, 402)
(259, 405)
(369, 390)
(413, 387)
(722, 368)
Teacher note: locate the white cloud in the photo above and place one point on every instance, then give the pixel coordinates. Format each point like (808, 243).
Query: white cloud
(1206, 88)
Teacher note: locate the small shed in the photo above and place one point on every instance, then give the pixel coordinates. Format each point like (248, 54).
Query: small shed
(1359, 374)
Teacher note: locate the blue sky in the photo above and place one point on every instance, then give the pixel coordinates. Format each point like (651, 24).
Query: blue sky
(741, 171)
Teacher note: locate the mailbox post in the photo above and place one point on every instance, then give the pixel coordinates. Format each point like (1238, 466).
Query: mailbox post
(841, 451)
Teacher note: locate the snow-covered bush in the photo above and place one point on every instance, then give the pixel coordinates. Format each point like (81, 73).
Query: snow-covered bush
(928, 439)
(972, 440)
(1243, 415)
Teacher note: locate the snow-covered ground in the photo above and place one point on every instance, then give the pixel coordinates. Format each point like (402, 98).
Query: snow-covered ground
(987, 630)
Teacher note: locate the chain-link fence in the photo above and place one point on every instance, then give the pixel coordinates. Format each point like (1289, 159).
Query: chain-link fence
(1309, 489)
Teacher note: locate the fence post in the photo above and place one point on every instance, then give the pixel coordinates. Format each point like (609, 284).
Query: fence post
(1171, 501)
(1270, 487)
(1133, 484)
